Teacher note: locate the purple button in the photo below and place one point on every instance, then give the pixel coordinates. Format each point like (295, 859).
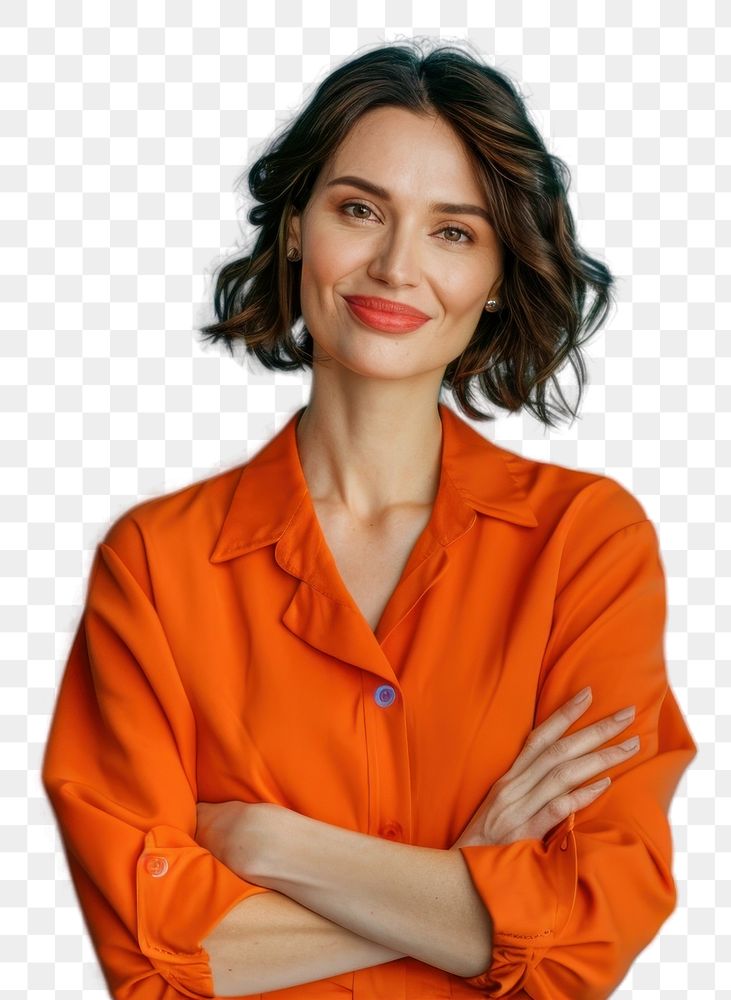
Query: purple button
(385, 695)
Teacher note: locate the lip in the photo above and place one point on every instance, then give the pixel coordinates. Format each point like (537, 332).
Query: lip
(375, 302)
(388, 320)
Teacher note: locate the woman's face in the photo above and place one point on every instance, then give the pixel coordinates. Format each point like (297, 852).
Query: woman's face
(398, 244)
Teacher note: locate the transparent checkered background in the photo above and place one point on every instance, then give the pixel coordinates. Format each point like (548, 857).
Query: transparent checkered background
(122, 134)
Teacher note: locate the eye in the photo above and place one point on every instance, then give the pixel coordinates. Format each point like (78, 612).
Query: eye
(357, 204)
(444, 229)
(456, 229)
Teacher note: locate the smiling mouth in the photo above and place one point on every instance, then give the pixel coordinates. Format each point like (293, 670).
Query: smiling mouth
(386, 321)
(374, 302)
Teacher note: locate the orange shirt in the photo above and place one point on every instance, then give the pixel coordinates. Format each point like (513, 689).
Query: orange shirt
(220, 656)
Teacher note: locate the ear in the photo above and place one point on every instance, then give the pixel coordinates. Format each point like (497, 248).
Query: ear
(294, 230)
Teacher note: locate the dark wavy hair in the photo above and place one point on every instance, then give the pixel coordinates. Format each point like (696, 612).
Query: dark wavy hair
(542, 323)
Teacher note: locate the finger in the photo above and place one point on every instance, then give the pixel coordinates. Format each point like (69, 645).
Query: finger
(570, 760)
(550, 730)
(571, 774)
(561, 791)
(538, 760)
(590, 737)
(548, 737)
(556, 811)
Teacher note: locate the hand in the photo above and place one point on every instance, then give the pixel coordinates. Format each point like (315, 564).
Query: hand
(239, 833)
(540, 789)
(216, 823)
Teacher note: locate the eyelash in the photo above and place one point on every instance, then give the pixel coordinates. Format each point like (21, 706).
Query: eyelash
(456, 229)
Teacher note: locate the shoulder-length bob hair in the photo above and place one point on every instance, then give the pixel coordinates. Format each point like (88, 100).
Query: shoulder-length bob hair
(542, 320)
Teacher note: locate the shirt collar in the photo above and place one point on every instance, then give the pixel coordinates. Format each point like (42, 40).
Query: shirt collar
(477, 475)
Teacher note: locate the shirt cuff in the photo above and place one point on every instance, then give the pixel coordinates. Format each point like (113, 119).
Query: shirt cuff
(529, 888)
(183, 892)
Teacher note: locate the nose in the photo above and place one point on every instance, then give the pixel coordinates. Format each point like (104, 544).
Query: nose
(395, 258)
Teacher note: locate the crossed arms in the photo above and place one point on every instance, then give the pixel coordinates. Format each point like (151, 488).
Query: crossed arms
(343, 900)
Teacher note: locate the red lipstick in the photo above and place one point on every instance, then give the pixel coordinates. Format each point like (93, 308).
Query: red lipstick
(385, 314)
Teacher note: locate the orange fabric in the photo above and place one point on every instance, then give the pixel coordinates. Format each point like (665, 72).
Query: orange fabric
(219, 656)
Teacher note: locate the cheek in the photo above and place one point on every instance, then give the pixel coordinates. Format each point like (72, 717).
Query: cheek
(327, 272)
(464, 290)
(331, 252)
(321, 270)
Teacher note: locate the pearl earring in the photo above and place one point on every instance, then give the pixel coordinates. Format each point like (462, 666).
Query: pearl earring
(492, 305)
(293, 254)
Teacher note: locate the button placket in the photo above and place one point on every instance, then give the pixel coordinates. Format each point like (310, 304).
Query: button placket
(388, 762)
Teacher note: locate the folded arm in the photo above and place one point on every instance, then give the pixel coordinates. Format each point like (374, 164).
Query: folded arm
(119, 771)
(565, 915)
(571, 912)
(271, 942)
(388, 899)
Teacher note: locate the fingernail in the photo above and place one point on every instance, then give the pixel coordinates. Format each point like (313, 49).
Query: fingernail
(600, 784)
(584, 693)
(631, 744)
(626, 713)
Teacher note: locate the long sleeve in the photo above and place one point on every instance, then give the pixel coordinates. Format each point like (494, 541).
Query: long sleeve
(571, 911)
(119, 770)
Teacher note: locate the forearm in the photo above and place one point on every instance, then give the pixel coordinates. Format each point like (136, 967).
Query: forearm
(270, 942)
(418, 901)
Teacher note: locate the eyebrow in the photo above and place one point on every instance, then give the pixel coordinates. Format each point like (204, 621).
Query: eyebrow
(438, 207)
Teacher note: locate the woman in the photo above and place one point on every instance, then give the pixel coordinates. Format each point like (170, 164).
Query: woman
(341, 677)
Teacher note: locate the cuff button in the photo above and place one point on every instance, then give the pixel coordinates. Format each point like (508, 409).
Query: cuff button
(155, 865)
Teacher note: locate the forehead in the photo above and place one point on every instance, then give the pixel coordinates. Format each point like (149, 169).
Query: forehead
(405, 151)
